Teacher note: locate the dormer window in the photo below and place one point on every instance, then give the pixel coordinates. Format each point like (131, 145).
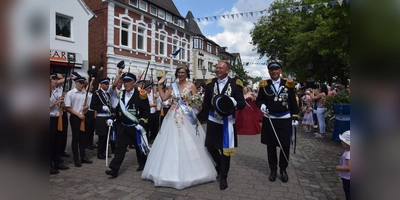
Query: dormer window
(161, 14)
(153, 10)
(133, 2)
(143, 5)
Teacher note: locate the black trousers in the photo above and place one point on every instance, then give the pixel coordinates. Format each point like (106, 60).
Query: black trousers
(89, 126)
(273, 158)
(55, 141)
(78, 138)
(125, 136)
(154, 124)
(223, 162)
(64, 132)
(101, 132)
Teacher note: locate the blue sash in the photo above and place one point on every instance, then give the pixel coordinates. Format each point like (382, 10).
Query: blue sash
(190, 115)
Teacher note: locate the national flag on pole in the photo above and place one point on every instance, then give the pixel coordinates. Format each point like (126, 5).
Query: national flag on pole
(176, 53)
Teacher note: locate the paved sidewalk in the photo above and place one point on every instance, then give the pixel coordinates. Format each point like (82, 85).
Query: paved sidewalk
(311, 173)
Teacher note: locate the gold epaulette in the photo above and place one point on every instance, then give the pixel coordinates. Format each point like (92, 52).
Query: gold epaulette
(289, 83)
(142, 94)
(262, 84)
(209, 81)
(144, 120)
(239, 82)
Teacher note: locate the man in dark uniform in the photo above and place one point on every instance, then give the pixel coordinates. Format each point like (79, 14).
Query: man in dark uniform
(102, 104)
(277, 99)
(221, 143)
(131, 113)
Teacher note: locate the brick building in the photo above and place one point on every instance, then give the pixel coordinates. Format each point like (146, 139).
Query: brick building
(138, 32)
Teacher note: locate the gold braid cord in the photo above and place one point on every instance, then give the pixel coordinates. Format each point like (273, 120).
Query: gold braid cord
(262, 84)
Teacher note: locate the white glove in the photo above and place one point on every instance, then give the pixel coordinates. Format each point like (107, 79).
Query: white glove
(105, 108)
(234, 101)
(295, 123)
(109, 122)
(139, 128)
(264, 109)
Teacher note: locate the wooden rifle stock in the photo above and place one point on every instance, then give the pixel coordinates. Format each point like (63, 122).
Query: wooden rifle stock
(82, 128)
(60, 117)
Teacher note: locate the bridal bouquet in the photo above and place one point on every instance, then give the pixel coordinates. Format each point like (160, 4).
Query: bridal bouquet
(195, 100)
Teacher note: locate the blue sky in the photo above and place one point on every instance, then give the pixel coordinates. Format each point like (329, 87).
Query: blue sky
(232, 33)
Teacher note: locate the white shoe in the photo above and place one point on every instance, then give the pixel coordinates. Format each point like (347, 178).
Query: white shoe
(316, 126)
(315, 134)
(319, 136)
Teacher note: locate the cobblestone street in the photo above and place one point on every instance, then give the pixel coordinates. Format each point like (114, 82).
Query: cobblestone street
(311, 173)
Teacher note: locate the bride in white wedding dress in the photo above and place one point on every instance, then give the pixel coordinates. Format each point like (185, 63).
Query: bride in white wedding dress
(178, 157)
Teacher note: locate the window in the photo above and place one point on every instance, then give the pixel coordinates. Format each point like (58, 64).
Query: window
(199, 64)
(210, 66)
(169, 17)
(63, 26)
(153, 10)
(124, 39)
(161, 14)
(183, 51)
(182, 23)
(162, 45)
(175, 45)
(176, 20)
(216, 51)
(143, 5)
(141, 39)
(133, 2)
(209, 47)
(196, 43)
(201, 44)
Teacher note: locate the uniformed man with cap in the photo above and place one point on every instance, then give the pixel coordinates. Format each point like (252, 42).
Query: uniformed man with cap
(223, 96)
(277, 100)
(131, 113)
(74, 101)
(154, 116)
(102, 104)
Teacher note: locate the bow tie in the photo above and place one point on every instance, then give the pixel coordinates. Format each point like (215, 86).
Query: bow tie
(222, 81)
(276, 82)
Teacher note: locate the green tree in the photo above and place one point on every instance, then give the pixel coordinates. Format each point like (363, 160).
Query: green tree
(320, 35)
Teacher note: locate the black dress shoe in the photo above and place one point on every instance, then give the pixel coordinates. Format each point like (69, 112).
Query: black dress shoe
(60, 167)
(101, 157)
(272, 176)
(113, 173)
(284, 176)
(54, 171)
(94, 146)
(65, 155)
(223, 184)
(78, 163)
(86, 160)
(140, 168)
(131, 146)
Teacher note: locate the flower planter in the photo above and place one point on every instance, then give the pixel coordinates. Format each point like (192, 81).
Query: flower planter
(342, 120)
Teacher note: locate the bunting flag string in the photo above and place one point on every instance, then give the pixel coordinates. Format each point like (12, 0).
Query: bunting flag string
(256, 13)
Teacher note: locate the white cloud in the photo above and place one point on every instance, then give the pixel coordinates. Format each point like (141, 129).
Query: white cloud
(236, 34)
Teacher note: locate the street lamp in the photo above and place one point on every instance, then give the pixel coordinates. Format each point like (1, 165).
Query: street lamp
(203, 71)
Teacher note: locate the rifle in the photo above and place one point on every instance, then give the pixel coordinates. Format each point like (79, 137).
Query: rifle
(60, 121)
(145, 74)
(91, 74)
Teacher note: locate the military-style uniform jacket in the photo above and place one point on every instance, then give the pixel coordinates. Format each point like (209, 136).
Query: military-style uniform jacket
(232, 88)
(282, 106)
(100, 99)
(138, 105)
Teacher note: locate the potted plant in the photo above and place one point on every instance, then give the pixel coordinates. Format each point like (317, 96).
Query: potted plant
(338, 110)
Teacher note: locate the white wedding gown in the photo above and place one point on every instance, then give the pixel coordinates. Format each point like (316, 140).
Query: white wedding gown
(178, 157)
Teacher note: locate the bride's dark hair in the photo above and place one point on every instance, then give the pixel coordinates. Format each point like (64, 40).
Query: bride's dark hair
(182, 66)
